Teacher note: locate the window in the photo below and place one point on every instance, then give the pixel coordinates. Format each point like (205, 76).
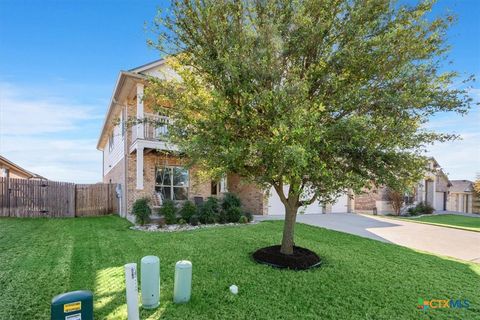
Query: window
(172, 183)
(161, 128)
(110, 141)
(217, 187)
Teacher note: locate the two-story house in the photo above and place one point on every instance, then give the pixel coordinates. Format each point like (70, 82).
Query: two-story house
(433, 189)
(140, 159)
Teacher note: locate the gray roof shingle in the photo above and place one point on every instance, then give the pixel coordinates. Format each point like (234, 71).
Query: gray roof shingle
(461, 186)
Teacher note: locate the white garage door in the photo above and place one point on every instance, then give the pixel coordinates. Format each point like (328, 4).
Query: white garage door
(276, 207)
(341, 205)
(439, 201)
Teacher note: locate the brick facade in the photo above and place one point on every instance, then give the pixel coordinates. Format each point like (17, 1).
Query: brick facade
(253, 198)
(374, 198)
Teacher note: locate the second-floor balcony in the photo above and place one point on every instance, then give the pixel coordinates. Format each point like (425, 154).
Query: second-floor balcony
(152, 133)
(154, 127)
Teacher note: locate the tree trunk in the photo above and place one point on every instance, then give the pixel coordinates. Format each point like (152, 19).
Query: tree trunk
(288, 230)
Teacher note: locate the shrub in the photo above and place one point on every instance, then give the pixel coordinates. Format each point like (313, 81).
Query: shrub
(234, 214)
(206, 214)
(425, 208)
(243, 219)
(249, 216)
(182, 221)
(222, 217)
(194, 220)
(208, 211)
(230, 200)
(141, 210)
(169, 212)
(212, 202)
(421, 208)
(396, 200)
(188, 210)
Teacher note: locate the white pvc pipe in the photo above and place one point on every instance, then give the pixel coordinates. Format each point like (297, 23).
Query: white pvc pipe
(131, 284)
(182, 287)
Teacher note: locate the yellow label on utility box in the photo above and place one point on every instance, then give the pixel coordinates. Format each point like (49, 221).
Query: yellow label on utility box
(73, 306)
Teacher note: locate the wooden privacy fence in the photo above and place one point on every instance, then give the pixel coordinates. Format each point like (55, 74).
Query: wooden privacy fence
(45, 198)
(95, 199)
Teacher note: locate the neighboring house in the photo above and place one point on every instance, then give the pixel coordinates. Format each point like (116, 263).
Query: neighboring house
(433, 190)
(461, 196)
(144, 164)
(8, 169)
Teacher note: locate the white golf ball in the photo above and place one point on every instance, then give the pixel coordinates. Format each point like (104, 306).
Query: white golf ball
(234, 289)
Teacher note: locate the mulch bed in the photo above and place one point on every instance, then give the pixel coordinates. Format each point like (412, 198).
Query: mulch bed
(301, 259)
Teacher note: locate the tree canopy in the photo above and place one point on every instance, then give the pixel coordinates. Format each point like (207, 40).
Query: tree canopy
(322, 96)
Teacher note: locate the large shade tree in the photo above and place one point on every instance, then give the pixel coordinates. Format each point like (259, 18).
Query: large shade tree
(319, 96)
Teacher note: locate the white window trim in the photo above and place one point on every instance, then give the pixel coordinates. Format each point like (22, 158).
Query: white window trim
(172, 186)
(111, 141)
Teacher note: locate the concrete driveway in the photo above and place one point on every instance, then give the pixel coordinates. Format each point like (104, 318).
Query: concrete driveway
(459, 244)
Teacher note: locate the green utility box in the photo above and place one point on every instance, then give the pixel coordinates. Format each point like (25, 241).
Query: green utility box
(75, 305)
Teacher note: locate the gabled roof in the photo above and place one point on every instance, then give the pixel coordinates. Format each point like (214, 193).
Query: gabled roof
(109, 118)
(148, 66)
(4, 162)
(461, 186)
(125, 78)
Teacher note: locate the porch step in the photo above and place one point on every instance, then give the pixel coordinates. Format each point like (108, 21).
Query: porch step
(156, 200)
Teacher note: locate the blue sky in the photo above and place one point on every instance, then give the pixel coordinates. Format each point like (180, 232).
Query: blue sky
(59, 61)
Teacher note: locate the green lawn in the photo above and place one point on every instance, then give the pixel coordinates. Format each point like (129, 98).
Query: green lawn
(360, 279)
(451, 220)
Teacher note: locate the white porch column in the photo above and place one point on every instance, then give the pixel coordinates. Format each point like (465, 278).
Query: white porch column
(140, 125)
(424, 191)
(434, 195)
(139, 168)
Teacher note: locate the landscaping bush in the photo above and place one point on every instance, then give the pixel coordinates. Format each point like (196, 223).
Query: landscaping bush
(169, 212)
(141, 210)
(230, 200)
(188, 210)
(427, 209)
(182, 221)
(412, 211)
(208, 211)
(234, 214)
(421, 208)
(194, 220)
(243, 219)
(249, 216)
(213, 203)
(222, 217)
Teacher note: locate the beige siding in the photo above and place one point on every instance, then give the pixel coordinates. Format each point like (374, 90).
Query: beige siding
(111, 157)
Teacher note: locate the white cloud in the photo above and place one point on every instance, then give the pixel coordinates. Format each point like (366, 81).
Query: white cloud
(49, 135)
(22, 114)
(56, 159)
(460, 158)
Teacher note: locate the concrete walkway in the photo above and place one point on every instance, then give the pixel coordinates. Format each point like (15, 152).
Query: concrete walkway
(459, 244)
